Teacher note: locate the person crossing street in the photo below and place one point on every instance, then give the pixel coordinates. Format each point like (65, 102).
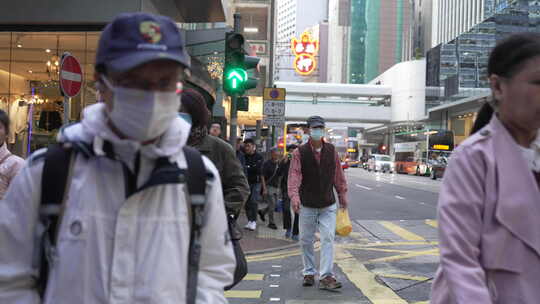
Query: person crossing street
(314, 173)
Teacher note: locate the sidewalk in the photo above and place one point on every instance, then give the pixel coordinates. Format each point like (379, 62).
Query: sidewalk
(264, 239)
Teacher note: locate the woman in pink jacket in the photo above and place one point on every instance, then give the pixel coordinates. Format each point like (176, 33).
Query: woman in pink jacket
(489, 205)
(9, 164)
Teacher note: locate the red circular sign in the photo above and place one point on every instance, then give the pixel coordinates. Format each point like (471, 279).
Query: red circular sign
(70, 75)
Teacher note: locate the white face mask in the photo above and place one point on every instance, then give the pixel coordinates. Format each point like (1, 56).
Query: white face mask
(142, 115)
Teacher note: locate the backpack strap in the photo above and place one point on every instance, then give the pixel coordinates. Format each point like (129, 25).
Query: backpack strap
(196, 184)
(54, 180)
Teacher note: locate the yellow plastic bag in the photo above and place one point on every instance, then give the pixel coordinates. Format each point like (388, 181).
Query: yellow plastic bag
(343, 222)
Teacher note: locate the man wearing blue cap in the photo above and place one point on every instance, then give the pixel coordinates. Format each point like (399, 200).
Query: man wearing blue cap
(124, 224)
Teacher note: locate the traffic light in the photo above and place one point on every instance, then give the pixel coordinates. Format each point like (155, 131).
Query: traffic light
(236, 79)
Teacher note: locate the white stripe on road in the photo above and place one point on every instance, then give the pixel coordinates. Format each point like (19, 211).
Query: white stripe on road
(399, 197)
(363, 187)
(71, 76)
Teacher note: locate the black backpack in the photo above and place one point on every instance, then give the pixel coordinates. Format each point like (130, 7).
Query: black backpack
(55, 176)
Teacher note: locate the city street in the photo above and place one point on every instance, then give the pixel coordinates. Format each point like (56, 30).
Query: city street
(390, 257)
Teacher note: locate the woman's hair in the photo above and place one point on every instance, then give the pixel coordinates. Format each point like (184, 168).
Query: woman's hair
(506, 60)
(194, 104)
(483, 117)
(4, 119)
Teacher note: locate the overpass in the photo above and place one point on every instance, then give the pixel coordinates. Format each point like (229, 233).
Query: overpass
(338, 103)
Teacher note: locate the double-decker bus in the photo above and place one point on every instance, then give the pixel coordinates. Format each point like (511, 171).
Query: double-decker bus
(353, 154)
(423, 152)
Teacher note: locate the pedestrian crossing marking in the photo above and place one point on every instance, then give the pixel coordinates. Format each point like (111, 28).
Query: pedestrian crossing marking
(254, 277)
(243, 294)
(432, 223)
(365, 280)
(401, 232)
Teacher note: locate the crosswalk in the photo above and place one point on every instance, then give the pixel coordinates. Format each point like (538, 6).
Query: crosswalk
(372, 254)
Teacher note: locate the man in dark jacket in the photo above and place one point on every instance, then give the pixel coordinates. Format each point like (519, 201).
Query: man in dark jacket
(289, 225)
(234, 183)
(255, 177)
(315, 172)
(271, 181)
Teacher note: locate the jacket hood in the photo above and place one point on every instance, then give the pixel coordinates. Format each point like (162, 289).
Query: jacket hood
(94, 129)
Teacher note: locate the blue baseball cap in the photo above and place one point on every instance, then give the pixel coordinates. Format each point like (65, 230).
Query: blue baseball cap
(132, 39)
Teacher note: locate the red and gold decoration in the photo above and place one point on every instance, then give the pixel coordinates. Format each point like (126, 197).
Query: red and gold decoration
(305, 51)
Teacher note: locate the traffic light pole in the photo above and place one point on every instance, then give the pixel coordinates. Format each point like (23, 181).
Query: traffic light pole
(234, 121)
(234, 101)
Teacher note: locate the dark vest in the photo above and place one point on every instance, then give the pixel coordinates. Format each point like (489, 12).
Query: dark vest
(317, 188)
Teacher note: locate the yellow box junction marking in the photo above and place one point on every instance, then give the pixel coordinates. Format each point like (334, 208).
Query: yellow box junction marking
(243, 294)
(402, 276)
(402, 233)
(254, 277)
(413, 254)
(432, 223)
(365, 280)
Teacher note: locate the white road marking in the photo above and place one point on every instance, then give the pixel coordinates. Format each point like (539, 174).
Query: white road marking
(276, 266)
(399, 197)
(363, 187)
(274, 286)
(275, 275)
(275, 299)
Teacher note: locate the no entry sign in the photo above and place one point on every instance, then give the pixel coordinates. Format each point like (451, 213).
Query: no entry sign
(70, 76)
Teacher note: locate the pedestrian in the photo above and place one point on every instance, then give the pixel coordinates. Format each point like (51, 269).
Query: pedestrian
(270, 181)
(215, 129)
(314, 173)
(488, 205)
(233, 181)
(254, 162)
(290, 225)
(124, 233)
(10, 164)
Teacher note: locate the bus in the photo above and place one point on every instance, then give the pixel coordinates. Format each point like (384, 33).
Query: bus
(353, 153)
(423, 152)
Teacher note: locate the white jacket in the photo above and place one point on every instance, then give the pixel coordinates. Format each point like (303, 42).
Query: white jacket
(128, 251)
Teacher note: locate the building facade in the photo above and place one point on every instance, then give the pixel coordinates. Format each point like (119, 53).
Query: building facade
(293, 18)
(379, 30)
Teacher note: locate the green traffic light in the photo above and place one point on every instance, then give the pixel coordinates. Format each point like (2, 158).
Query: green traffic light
(236, 78)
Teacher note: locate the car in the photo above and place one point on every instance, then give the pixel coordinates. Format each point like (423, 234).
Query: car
(381, 163)
(344, 165)
(437, 167)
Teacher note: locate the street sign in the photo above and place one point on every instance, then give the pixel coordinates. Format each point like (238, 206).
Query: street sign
(274, 108)
(277, 121)
(70, 76)
(274, 94)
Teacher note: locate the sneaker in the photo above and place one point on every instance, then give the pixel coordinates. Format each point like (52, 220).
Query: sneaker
(295, 238)
(272, 226)
(251, 226)
(288, 234)
(329, 283)
(261, 215)
(309, 280)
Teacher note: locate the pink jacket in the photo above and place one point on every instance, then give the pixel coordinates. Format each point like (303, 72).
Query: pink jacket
(9, 167)
(489, 224)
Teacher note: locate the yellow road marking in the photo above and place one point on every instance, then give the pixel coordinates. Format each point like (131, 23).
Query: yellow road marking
(243, 294)
(254, 277)
(403, 233)
(402, 276)
(432, 252)
(432, 223)
(364, 280)
(399, 244)
(360, 247)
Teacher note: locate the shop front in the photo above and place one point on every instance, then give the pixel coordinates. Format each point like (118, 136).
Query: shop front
(29, 84)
